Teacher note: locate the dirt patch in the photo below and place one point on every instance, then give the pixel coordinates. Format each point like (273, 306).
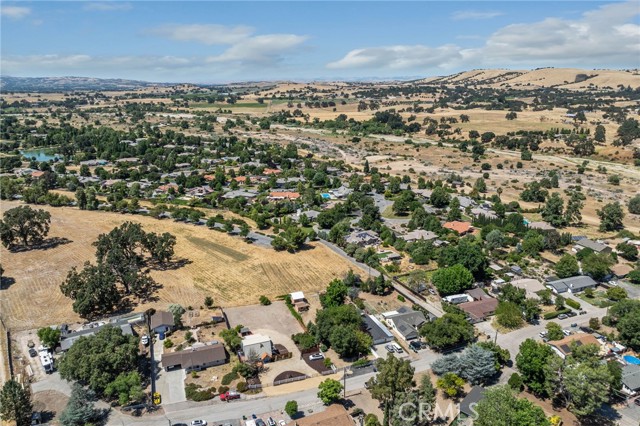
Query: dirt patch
(50, 404)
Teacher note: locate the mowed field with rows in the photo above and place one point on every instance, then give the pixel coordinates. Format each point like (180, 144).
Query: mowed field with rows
(225, 267)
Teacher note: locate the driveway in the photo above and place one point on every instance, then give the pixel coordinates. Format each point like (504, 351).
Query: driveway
(633, 290)
(630, 415)
(170, 384)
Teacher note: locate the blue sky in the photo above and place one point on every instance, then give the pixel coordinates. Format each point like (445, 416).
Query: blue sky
(237, 41)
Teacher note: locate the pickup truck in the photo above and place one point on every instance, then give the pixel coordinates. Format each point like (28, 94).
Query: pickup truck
(229, 395)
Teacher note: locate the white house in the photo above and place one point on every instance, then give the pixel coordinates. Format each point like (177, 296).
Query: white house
(256, 345)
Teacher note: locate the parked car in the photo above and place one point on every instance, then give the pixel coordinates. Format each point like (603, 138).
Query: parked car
(543, 333)
(198, 423)
(582, 312)
(316, 357)
(397, 348)
(571, 314)
(637, 401)
(567, 332)
(145, 340)
(282, 423)
(415, 346)
(562, 316)
(33, 353)
(271, 422)
(389, 348)
(260, 422)
(574, 325)
(229, 395)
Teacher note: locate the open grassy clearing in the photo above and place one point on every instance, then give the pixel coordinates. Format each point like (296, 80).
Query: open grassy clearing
(224, 267)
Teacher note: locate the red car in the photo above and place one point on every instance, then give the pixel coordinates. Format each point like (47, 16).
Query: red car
(228, 396)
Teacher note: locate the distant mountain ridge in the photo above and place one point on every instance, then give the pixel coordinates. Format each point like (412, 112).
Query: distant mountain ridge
(60, 84)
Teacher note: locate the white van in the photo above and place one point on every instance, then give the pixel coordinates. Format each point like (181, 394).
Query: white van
(397, 347)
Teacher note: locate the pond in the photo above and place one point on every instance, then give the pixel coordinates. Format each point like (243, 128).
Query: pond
(41, 154)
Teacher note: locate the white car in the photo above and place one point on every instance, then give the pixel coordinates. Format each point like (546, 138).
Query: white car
(316, 357)
(198, 423)
(282, 423)
(145, 340)
(567, 332)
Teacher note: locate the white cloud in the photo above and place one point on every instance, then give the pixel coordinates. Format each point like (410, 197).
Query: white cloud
(605, 36)
(210, 34)
(243, 46)
(474, 14)
(14, 12)
(399, 57)
(112, 6)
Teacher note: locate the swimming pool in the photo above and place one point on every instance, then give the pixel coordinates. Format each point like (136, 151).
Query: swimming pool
(325, 196)
(631, 359)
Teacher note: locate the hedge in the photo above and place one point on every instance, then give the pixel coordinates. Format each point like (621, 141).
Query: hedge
(552, 315)
(229, 377)
(196, 393)
(573, 303)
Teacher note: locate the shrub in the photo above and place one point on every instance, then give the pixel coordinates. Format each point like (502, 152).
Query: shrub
(573, 303)
(594, 323)
(242, 387)
(208, 302)
(223, 389)
(167, 343)
(264, 300)
(229, 377)
(327, 362)
(196, 393)
(291, 408)
(515, 382)
(401, 298)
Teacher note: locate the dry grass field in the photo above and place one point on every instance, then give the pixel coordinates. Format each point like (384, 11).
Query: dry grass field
(224, 267)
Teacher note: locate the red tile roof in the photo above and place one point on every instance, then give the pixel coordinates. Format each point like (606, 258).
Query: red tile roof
(459, 227)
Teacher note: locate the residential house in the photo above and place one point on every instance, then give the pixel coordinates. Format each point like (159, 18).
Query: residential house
(378, 332)
(406, 322)
(199, 192)
(468, 404)
(478, 212)
(593, 245)
(195, 358)
(283, 195)
(477, 294)
(128, 160)
(289, 182)
(530, 285)
(363, 238)
(631, 379)
(563, 347)
(299, 301)
(419, 234)
(68, 339)
(248, 195)
(162, 322)
(269, 172)
(479, 310)
(465, 201)
(312, 215)
(341, 192)
(334, 415)
(36, 174)
(572, 285)
(459, 227)
(164, 189)
(255, 345)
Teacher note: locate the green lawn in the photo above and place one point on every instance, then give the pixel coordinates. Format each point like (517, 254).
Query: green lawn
(388, 213)
(600, 299)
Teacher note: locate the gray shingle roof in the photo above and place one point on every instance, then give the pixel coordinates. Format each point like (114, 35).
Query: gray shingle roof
(631, 376)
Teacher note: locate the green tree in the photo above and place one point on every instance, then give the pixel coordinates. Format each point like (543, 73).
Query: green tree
(553, 210)
(439, 197)
(127, 387)
(533, 243)
(515, 382)
(509, 315)
(611, 216)
(449, 330)
(177, 311)
(500, 407)
(80, 410)
(476, 364)
(452, 280)
(575, 204)
(600, 133)
(350, 341)
(291, 408)
(454, 210)
(554, 331)
(329, 391)
(451, 384)
(23, 225)
(501, 355)
(634, 204)
(616, 293)
(96, 361)
(394, 377)
(567, 266)
(480, 185)
(597, 265)
(334, 295)
(50, 337)
(93, 290)
(495, 239)
(468, 253)
(15, 404)
(531, 361)
(627, 251)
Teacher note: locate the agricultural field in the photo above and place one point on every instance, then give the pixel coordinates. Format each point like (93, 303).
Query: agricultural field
(224, 267)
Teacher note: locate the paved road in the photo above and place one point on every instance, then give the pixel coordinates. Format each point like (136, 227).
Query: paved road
(371, 271)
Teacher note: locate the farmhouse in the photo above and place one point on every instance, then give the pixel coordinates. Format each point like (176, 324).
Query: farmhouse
(255, 345)
(563, 347)
(162, 322)
(479, 310)
(459, 227)
(378, 332)
(572, 285)
(406, 322)
(195, 358)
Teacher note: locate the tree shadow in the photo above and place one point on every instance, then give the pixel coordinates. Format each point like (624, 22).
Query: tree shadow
(6, 282)
(47, 416)
(171, 265)
(47, 244)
